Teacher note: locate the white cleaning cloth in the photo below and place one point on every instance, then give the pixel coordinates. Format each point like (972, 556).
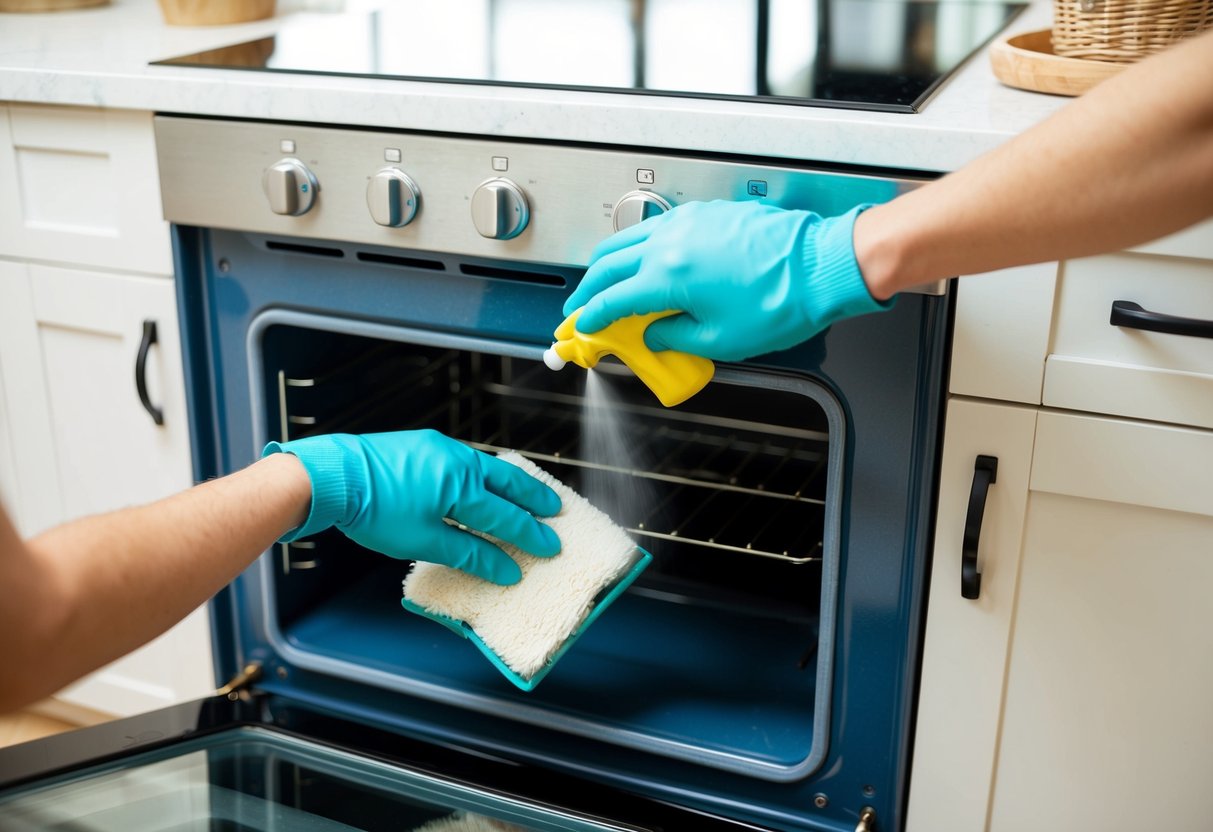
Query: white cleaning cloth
(526, 623)
(468, 822)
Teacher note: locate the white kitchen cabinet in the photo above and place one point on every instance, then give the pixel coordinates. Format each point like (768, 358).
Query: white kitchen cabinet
(1001, 335)
(1097, 367)
(85, 260)
(1073, 694)
(964, 655)
(1107, 722)
(81, 187)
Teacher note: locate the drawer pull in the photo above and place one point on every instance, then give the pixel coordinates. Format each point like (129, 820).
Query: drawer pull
(1129, 314)
(149, 338)
(985, 474)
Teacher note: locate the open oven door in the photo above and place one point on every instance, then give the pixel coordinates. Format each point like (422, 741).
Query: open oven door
(248, 762)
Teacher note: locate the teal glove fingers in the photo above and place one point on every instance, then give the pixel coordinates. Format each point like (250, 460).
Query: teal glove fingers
(489, 514)
(463, 550)
(608, 273)
(519, 487)
(749, 278)
(393, 493)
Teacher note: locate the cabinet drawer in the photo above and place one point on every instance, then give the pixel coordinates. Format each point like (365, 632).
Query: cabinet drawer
(1098, 367)
(85, 189)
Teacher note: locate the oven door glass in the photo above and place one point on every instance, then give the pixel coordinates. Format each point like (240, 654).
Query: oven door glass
(254, 780)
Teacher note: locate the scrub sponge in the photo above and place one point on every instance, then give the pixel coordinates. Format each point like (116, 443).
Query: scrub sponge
(525, 627)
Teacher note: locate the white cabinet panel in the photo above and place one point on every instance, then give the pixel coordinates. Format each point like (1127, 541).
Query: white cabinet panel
(1001, 337)
(8, 465)
(1116, 460)
(1108, 723)
(34, 500)
(109, 451)
(1196, 241)
(1100, 368)
(81, 187)
(966, 640)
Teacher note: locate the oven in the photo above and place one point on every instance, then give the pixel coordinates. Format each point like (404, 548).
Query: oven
(760, 674)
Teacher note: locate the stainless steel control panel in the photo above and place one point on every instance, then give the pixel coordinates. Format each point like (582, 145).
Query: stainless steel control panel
(513, 200)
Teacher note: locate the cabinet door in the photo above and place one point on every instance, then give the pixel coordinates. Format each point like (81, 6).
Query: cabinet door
(86, 443)
(81, 186)
(964, 655)
(31, 486)
(1108, 723)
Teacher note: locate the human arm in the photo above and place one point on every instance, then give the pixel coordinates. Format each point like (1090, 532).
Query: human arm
(1130, 161)
(87, 592)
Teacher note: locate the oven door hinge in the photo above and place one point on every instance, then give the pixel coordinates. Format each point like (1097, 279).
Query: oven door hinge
(867, 820)
(251, 673)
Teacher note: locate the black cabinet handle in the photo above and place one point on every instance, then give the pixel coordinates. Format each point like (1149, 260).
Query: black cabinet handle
(985, 474)
(1129, 314)
(149, 338)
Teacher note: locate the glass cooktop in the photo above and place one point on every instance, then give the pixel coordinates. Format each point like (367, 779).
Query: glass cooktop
(863, 54)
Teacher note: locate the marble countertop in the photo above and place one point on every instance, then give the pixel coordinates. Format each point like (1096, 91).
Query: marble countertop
(100, 58)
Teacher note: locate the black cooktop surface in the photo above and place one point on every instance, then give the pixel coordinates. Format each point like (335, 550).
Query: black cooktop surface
(864, 54)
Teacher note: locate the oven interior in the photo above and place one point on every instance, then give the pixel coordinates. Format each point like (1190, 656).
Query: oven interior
(715, 649)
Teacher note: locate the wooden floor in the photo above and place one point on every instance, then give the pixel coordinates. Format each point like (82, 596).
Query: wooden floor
(24, 725)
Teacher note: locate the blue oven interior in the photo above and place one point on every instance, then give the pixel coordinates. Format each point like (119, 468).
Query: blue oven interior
(767, 657)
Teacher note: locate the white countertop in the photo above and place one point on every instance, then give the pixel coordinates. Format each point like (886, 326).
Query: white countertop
(99, 58)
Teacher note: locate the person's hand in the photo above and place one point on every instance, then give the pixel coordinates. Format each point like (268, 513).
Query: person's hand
(749, 278)
(392, 492)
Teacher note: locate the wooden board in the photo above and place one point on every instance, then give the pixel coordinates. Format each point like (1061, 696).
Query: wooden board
(1026, 61)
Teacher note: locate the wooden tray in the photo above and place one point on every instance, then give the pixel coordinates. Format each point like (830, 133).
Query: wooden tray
(1027, 62)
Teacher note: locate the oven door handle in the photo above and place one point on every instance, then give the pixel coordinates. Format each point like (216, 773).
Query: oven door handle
(985, 474)
(149, 338)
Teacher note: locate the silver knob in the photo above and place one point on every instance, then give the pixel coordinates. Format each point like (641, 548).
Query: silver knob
(637, 206)
(499, 209)
(290, 187)
(392, 197)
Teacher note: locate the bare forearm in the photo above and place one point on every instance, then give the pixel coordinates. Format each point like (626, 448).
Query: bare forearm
(1130, 161)
(98, 587)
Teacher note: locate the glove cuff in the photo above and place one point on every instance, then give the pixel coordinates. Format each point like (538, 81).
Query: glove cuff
(836, 286)
(337, 480)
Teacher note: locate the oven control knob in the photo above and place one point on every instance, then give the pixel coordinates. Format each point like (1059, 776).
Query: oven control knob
(500, 210)
(290, 187)
(392, 197)
(637, 206)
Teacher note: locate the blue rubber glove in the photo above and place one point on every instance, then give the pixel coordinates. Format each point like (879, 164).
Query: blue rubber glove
(750, 278)
(391, 492)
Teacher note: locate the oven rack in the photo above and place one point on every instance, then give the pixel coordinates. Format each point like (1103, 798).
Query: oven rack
(741, 485)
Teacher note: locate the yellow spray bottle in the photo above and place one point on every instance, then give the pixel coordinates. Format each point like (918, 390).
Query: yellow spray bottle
(673, 376)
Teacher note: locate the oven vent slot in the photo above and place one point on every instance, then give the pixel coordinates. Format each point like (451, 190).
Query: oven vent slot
(517, 275)
(402, 262)
(301, 248)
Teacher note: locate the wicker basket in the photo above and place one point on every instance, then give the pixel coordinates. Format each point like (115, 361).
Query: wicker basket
(1123, 31)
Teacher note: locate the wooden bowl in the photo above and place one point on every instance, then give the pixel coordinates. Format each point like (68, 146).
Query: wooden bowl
(214, 12)
(1027, 62)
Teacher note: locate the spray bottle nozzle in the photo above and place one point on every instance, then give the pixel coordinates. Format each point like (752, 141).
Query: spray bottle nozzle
(673, 376)
(553, 359)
